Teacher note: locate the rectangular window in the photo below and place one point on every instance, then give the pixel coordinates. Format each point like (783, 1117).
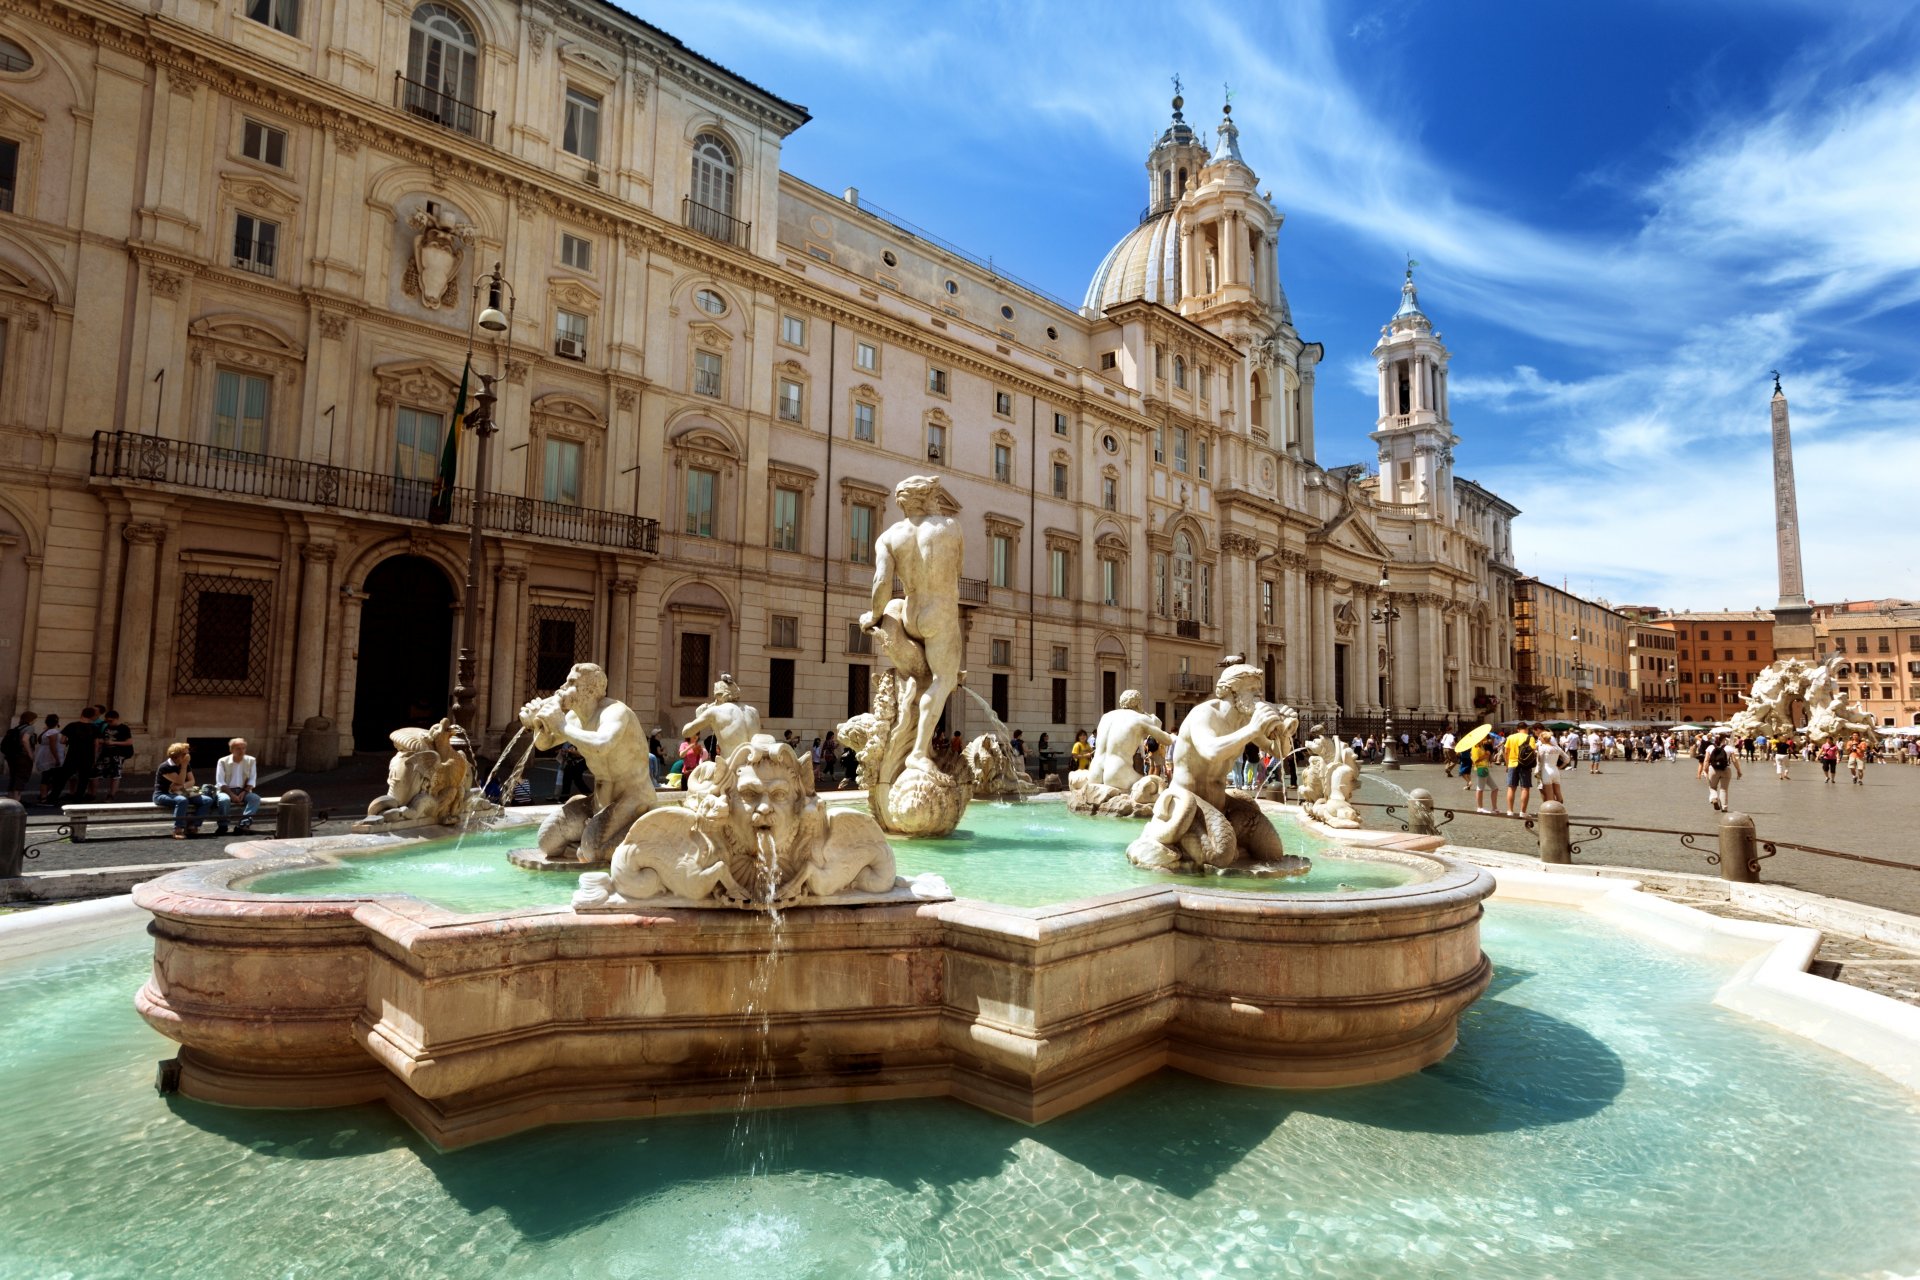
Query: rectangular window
(780, 688)
(570, 335)
(1859, 644)
(793, 331)
(1061, 658)
(701, 484)
(696, 658)
(281, 15)
(937, 381)
(1002, 568)
(1751, 634)
(1159, 444)
(708, 367)
(1882, 643)
(263, 142)
(786, 519)
(582, 134)
(240, 403)
(576, 252)
(1266, 603)
(1059, 424)
(560, 475)
(936, 442)
(1109, 493)
(863, 421)
(1206, 382)
(1109, 359)
(1206, 594)
(1110, 582)
(9, 172)
(416, 444)
(1059, 700)
(859, 684)
(1000, 653)
(866, 356)
(1003, 404)
(1059, 479)
(858, 640)
(789, 408)
(860, 524)
(1059, 572)
(1206, 459)
(784, 632)
(1003, 464)
(254, 242)
(1179, 448)
(1159, 364)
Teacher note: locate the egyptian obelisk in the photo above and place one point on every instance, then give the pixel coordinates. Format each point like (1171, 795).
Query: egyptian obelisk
(1792, 618)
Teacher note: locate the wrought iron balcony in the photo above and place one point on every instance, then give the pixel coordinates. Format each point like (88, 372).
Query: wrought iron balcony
(973, 591)
(1187, 628)
(141, 459)
(442, 108)
(714, 224)
(1192, 682)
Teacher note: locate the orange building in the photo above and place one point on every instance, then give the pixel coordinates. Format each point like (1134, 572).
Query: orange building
(1717, 657)
(1879, 641)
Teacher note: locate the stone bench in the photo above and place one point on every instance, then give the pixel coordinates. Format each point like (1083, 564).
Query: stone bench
(139, 812)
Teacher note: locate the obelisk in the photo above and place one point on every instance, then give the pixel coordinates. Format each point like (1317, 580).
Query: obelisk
(1792, 618)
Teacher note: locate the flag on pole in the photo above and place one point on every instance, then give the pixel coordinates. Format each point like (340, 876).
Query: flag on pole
(440, 506)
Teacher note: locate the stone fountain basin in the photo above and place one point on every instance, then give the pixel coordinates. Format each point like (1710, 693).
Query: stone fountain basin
(472, 1027)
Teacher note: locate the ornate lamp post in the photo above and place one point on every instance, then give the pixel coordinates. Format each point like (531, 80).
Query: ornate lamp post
(497, 324)
(1386, 613)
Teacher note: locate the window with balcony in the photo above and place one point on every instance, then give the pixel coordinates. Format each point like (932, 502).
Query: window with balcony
(281, 15)
(708, 369)
(443, 69)
(263, 142)
(710, 207)
(1179, 448)
(580, 136)
(786, 519)
(576, 252)
(416, 459)
(860, 526)
(1000, 572)
(560, 471)
(254, 243)
(701, 487)
(864, 415)
(1003, 464)
(789, 400)
(570, 335)
(240, 406)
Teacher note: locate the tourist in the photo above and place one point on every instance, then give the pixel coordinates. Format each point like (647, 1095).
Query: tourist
(17, 747)
(573, 772)
(1553, 759)
(1082, 751)
(656, 759)
(116, 748)
(75, 775)
(174, 790)
(689, 755)
(1593, 751)
(1719, 765)
(1045, 755)
(236, 778)
(1020, 747)
(49, 757)
(1857, 761)
(1482, 774)
(1829, 761)
(1521, 756)
(1782, 757)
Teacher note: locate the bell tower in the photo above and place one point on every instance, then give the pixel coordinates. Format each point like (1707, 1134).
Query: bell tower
(1414, 431)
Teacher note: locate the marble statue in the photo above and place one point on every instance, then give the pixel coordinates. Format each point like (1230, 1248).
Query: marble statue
(758, 837)
(907, 789)
(996, 769)
(1770, 707)
(1326, 788)
(610, 737)
(433, 268)
(1110, 784)
(1197, 825)
(427, 781)
(732, 723)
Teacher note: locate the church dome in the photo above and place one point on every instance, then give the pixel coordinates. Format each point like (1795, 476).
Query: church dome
(1144, 265)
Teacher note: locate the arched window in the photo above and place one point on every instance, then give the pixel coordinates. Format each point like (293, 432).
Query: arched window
(1182, 575)
(713, 173)
(443, 61)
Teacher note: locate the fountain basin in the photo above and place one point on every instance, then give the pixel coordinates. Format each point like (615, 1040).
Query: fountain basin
(476, 1026)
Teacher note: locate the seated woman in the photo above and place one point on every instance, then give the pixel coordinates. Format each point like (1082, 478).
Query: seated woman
(173, 789)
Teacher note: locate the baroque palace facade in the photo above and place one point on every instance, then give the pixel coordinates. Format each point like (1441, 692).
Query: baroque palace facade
(238, 246)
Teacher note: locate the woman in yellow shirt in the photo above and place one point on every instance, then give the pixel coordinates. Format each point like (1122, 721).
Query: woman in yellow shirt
(1082, 750)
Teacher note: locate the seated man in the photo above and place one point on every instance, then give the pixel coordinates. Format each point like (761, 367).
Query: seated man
(236, 780)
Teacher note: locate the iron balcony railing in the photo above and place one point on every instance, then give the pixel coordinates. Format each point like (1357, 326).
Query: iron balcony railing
(973, 591)
(713, 223)
(254, 255)
(442, 108)
(127, 456)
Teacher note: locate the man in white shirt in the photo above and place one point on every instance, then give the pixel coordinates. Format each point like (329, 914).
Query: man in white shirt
(237, 778)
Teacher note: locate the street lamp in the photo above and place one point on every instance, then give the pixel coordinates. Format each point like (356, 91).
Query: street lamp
(1386, 613)
(499, 327)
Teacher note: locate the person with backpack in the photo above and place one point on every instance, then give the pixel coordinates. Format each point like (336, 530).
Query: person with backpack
(1719, 765)
(1522, 756)
(17, 748)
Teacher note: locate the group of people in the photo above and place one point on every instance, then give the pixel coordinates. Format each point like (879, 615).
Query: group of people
(1529, 754)
(71, 759)
(235, 785)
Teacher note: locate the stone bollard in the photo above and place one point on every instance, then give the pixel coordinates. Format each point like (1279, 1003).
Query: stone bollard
(293, 819)
(1738, 847)
(13, 838)
(1420, 813)
(1556, 846)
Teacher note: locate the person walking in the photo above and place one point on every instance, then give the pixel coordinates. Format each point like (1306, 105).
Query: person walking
(1483, 774)
(17, 747)
(116, 748)
(1782, 757)
(1829, 761)
(1553, 760)
(1857, 761)
(1521, 755)
(1719, 765)
(49, 757)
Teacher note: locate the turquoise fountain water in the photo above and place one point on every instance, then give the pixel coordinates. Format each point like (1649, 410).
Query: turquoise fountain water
(1599, 1118)
(1023, 855)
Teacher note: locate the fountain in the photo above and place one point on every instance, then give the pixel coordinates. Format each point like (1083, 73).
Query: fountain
(1327, 786)
(427, 783)
(1110, 784)
(608, 735)
(1770, 707)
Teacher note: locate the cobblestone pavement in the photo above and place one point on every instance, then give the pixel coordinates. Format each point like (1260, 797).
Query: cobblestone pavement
(1880, 819)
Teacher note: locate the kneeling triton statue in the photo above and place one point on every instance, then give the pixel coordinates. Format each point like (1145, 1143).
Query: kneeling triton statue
(609, 736)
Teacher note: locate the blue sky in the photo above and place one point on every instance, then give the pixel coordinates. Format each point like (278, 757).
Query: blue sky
(1626, 214)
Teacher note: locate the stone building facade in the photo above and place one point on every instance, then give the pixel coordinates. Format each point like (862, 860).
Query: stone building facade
(1879, 646)
(238, 253)
(1719, 654)
(1571, 656)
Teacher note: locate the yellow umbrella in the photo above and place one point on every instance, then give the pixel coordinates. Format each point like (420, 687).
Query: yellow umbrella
(1471, 738)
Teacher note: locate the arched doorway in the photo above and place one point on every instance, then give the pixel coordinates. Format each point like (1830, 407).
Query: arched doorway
(406, 647)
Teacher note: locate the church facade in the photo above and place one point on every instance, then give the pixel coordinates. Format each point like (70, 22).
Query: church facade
(238, 249)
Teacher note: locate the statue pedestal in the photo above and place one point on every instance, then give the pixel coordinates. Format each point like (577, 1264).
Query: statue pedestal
(920, 804)
(536, 860)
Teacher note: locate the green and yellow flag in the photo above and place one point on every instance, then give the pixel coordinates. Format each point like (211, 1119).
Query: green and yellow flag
(440, 507)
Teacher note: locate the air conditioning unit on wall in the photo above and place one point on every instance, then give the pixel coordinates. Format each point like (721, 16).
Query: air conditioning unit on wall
(571, 348)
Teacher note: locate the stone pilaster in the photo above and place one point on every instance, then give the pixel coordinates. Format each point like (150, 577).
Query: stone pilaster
(311, 638)
(133, 663)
